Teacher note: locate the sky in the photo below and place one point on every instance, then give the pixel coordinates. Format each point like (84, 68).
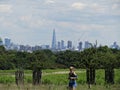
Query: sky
(31, 22)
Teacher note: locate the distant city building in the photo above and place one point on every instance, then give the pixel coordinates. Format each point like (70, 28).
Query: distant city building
(62, 44)
(87, 44)
(115, 46)
(21, 48)
(28, 48)
(59, 45)
(25, 48)
(7, 42)
(36, 48)
(80, 46)
(45, 47)
(13, 47)
(69, 44)
(54, 40)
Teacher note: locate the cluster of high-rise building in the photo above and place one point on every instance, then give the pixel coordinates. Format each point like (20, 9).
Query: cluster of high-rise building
(56, 45)
(11, 46)
(60, 45)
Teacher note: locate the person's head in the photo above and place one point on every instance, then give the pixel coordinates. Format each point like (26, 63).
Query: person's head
(71, 68)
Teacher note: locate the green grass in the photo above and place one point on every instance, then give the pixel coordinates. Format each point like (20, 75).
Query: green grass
(100, 77)
(57, 79)
(56, 87)
(6, 79)
(117, 76)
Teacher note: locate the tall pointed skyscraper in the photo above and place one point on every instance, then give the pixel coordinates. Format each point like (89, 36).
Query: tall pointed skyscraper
(54, 40)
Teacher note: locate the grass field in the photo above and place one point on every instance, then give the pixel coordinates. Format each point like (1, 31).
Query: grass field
(56, 87)
(56, 80)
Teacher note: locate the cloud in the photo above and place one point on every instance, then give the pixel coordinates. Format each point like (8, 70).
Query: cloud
(82, 27)
(1, 19)
(99, 8)
(50, 1)
(115, 9)
(92, 7)
(78, 5)
(105, 8)
(5, 8)
(114, 6)
(30, 21)
(26, 17)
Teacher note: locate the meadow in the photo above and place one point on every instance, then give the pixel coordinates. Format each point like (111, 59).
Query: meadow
(56, 79)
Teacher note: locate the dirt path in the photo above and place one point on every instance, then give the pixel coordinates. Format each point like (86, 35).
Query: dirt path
(62, 72)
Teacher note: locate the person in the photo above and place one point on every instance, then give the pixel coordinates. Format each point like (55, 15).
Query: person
(72, 79)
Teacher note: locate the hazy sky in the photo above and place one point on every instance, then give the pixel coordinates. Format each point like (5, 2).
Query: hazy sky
(32, 21)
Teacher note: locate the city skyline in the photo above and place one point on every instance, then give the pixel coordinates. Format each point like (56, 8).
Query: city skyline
(31, 22)
(59, 46)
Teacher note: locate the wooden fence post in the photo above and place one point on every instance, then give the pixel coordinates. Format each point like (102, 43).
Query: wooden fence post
(37, 74)
(19, 77)
(90, 76)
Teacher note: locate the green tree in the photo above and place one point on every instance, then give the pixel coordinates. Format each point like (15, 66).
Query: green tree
(41, 62)
(68, 58)
(89, 58)
(108, 60)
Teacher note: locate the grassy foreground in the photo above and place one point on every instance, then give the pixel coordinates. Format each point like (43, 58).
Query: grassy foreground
(56, 87)
(56, 80)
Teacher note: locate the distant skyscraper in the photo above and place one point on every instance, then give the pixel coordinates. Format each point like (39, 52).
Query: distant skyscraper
(7, 42)
(54, 40)
(115, 46)
(80, 46)
(62, 44)
(59, 45)
(69, 44)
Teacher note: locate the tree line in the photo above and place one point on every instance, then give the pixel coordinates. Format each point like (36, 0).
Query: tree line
(90, 59)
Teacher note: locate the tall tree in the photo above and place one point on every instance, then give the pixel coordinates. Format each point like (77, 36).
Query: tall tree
(108, 61)
(89, 58)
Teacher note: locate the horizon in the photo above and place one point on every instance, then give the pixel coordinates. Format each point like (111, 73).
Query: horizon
(30, 22)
